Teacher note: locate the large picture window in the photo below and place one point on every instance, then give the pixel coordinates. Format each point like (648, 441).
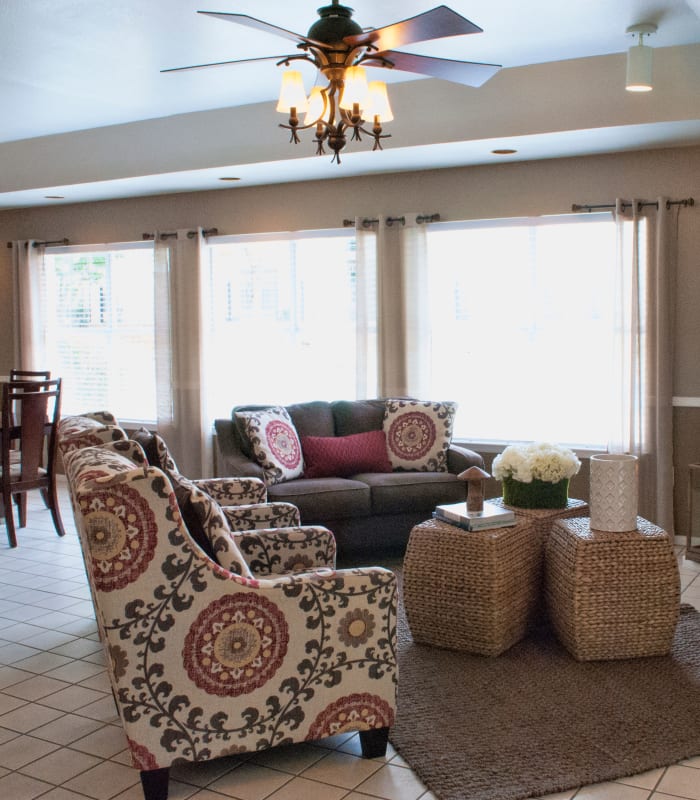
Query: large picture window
(283, 325)
(521, 326)
(99, 328)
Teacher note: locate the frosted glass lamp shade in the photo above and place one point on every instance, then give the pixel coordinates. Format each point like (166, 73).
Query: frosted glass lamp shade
(354, 88)
(317, 105)
(292, 93)
(378, 102)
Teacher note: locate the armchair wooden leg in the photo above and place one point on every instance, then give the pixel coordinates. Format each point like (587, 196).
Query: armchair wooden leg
(374, 742)
(155, 783)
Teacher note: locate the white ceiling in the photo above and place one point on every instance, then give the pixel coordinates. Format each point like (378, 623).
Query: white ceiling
(86, 112)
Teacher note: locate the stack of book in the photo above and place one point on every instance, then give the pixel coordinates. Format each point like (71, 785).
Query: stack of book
(492, 516)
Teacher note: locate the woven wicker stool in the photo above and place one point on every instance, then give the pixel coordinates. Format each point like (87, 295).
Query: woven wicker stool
(612, 595)
(472, 590)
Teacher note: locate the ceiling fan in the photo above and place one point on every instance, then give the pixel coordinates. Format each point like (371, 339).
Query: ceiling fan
(339, 48)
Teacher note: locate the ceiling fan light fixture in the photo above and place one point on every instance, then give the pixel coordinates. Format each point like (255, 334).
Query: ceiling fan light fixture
(640, 60)
(292, 93)
(336, 46)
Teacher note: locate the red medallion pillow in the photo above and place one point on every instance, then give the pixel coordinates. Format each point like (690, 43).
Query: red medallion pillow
(418, 434)
(274, 442)
(340, 456)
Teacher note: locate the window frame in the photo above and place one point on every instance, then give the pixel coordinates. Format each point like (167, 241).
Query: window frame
(108, 247)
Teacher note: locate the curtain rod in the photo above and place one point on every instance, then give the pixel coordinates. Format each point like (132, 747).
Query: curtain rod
(190, 234)
(367, 222)
(688, 201)
(46, 244)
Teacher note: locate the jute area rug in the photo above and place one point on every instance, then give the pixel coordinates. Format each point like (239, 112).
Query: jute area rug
(534, 721)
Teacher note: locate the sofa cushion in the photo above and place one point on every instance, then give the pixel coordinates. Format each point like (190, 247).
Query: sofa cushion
(314, 418)
(324, 498)
(418, 434)
(340, 456)
(409, 492)
(275, 443)
(357, 416)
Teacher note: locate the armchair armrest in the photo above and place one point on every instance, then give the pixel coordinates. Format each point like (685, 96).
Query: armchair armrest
(230, 459)
(460, 458)
(286, 550)
(257, 516)
(233, 491)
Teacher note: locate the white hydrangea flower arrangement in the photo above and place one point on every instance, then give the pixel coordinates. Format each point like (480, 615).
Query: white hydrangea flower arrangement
(542, 460)
(536, 475)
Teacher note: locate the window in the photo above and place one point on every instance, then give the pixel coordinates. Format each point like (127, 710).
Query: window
(520, 320)
(283, 325)
(99, 328)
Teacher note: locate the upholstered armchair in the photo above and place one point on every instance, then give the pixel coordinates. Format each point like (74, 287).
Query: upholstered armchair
(88, 430)
(205, 662)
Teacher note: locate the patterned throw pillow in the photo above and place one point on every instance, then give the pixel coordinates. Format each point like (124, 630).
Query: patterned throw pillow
(275, 443)
(208, 526)
(340, 456)
(418, 434)
(156, 450)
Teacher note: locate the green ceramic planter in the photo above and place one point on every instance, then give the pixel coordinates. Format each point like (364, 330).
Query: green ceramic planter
(537, 494)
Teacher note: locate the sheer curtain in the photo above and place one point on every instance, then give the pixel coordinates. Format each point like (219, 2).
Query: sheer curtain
(413, 248)
(643, 352)
(27, 263)
(366, 308)
(404, 329)
(183, 419)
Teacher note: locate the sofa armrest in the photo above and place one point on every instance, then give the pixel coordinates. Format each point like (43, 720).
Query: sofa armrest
(257, 516)
(231, 459)
(233, 491)
(460, 458)
(287, 550)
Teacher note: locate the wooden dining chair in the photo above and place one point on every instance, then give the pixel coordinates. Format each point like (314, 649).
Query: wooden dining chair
(30, 414)
(22, 375)
(29, 375)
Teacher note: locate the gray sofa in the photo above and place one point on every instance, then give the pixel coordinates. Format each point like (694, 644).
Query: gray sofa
(369, 513)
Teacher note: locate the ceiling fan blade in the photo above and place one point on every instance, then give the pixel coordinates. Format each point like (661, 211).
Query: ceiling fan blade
(434, 24)
(258, 24)
(467, 73)
(225, 63)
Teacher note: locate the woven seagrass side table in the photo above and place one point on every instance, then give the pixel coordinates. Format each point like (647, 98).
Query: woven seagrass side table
(612, 595)
(475, 591)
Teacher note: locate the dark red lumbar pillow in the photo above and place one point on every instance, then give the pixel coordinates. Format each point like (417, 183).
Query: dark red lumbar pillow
(340, 456)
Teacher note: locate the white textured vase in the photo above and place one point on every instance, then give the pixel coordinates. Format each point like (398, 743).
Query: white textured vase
(614, 492)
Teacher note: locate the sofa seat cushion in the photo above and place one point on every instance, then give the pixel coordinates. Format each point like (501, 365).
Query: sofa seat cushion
(324, 498)
(406, 492)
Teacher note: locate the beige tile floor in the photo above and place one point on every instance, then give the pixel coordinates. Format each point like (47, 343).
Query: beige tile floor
(61, 740)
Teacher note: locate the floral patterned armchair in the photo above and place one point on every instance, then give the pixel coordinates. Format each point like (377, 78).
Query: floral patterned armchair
(205, 662)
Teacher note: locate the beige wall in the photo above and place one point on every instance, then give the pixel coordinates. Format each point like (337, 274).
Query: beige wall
(515, 189)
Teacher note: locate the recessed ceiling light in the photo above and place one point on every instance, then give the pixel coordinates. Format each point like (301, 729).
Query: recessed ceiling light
(54, 197)
(229, 179)
(504, 152)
